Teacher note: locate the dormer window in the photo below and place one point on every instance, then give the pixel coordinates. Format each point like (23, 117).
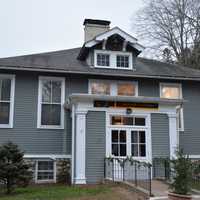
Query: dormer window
(103, 59)
(123, 61)
(113, 59)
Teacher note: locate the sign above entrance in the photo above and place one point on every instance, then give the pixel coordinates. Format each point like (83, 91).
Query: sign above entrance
(118, 104)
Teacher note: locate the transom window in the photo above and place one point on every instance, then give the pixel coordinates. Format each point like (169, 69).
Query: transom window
(138, 143)
(51, 100)
(122, 61)
(105, 87)
(127, 121)
(119, 142)
(103, 59)
(6, 101)
(45, 170)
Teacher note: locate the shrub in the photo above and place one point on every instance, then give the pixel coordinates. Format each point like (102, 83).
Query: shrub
(13, 168)
(182, 171)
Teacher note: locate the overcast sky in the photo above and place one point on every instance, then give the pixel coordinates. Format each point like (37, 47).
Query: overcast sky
(33, 26)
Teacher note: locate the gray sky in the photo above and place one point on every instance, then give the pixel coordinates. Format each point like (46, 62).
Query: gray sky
(32, 26)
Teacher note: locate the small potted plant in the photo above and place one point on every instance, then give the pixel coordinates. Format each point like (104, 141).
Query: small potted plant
(182, 178)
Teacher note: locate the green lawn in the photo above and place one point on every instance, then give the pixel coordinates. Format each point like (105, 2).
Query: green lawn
(56, 192)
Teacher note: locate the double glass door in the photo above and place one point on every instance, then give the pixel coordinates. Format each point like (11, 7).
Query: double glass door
(128, 142)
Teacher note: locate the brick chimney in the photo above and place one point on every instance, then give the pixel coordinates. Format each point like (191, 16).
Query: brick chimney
(94, 27)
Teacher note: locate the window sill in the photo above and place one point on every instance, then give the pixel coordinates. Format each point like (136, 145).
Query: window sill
(6, 126)
(51, 127)
(46, 181)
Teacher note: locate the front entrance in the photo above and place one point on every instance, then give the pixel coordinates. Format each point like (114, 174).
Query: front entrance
(128, 135)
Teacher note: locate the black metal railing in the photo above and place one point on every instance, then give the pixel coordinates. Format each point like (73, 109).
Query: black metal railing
(130, 170)
(162, 169)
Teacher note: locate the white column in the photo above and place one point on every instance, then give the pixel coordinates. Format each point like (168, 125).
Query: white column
(173, 134)
(80, 147)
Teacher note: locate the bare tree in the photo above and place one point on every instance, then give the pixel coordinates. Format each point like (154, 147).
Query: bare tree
(173, 26)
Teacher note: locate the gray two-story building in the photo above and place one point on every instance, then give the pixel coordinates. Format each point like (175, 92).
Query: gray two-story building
(97, 101)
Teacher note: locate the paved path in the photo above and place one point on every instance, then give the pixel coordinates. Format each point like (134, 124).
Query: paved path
(160, 190)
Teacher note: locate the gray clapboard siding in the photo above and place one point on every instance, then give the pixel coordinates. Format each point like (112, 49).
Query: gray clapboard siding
(25, 132)
(190, 138)
(95, 146)
(160, 135)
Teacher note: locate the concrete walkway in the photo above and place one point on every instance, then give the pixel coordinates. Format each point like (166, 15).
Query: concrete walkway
(160, 190)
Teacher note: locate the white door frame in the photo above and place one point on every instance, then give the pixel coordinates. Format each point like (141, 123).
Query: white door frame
(146, 128)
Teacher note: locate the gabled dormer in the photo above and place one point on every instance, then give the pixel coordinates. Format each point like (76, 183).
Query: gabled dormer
(108, 48)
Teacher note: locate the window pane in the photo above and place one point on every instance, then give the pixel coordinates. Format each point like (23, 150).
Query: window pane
(46, 91)
(134, 137)
(4, 113)
(170, 92)
(45, 165)
(115, 150)
(5, 87)
(56, 91)
(122, 61)
(127, 89)
(142, 150)
(100, 88)
(139, 121)
(115, 136)
(142, 136)
(127, 121)
(134, 149)
(50, 114)
(122, 149)
(122, 136)
(103, 60)
(116, 120)
(45, 175)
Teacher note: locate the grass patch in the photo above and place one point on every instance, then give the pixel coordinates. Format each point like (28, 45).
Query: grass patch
(55, 192)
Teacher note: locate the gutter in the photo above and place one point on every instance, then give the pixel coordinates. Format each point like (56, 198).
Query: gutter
(103, 74)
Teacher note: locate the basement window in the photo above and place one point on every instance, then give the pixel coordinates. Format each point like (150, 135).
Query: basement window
(45, 171)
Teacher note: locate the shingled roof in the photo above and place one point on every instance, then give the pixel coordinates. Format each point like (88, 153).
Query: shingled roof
(66, 61)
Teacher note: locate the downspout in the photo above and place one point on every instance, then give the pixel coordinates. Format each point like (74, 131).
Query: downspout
(73, 138)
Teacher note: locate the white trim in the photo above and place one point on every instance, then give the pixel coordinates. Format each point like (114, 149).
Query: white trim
(80, 147)
(113, 59)
(113, 86)
(173, 134)
(146, 128)
(12, 100)
(46, 180)
(50, 156)
(62, 79)
(194, 156)
(172, 85)
(73, 143)
(116, 30)
(180, 109)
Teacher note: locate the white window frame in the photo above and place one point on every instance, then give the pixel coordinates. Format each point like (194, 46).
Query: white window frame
(46, 180)
(172, 85)
(12, 99)
(113, 86)
(146, 128)
(113, 59)
(48, 78)
(178, 108)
